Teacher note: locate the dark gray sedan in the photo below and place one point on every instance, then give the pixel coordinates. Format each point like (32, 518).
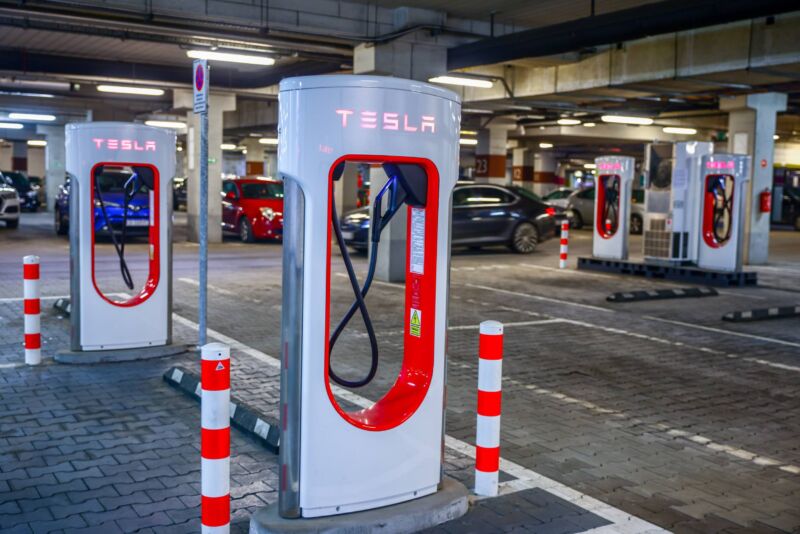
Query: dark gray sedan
(483, 215)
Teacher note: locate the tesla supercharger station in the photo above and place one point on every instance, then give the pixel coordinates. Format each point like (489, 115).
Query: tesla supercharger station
(724, 181)
(612, 206)
(335, 458)
(133, 160)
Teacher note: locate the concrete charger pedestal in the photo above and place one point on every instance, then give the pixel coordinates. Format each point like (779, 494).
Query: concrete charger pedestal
(447, 504)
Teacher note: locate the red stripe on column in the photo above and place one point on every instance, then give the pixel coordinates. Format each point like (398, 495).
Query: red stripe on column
(489, 403)
(215, 444)
(563, 256)
(564, 241)
(215, 375)
(490, 347)
(215, 511)
(33, 341)
(487, 459)
(30, 271)
(32, 306)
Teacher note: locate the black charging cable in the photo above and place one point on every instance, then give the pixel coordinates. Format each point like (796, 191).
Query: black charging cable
(379, 222)
(721, 210)
(119, 245)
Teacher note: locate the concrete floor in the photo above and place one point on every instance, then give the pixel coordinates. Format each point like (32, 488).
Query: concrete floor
(616, 416)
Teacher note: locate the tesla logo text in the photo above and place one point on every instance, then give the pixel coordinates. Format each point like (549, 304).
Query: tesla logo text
(609, 166)
(719, 164)
(371, 120)
(124, 144)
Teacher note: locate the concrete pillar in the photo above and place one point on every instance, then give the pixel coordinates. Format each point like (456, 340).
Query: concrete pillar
(19, 156)
(5, 155)
(490, 155)
(271, 164)
(346, 190)
(217, 106)
(522, 168)
(254, 159)
(418, 56)
(544, 173)
(54, 156)
(751, 125)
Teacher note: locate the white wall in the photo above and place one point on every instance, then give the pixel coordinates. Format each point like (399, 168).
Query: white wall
(36, 166)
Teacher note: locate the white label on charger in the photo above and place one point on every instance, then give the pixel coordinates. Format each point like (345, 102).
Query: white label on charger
(417, 249)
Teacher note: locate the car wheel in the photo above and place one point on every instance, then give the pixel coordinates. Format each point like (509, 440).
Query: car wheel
(636, 224)
(525, 238)
(12, 223)
(61, 227)
(245, 231)
(575, 219)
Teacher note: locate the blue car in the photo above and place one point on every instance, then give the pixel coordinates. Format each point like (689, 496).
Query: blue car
(483, 215)
(110, 186)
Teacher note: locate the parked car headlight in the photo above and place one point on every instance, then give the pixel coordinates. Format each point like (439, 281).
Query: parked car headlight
(107, 204)
(268, 213)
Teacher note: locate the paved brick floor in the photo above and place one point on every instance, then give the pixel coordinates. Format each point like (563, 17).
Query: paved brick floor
(658, 409)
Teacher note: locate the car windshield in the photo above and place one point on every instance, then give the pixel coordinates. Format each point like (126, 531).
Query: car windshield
(527, 194)
(262, 190)
(638, 196)
(18, 180)
(114, 182)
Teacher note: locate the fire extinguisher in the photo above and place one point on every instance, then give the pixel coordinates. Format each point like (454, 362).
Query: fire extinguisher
(765, 201)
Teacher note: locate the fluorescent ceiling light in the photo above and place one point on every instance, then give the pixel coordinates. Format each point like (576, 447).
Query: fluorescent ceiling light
(622, 119)
(568, 122)
(469, 142)
(776, 137)
(589, 124)
(31, 117)
(177, 125)
(227, 146)
(589, 166)
(268, 140)
(478, 111)
(230, 57)
(469, 132)
(254, 134)
(31, 95)
(37, 142)
(678, 130)
(11, 125)
(461, 80)
(130, 90)
(545, 145)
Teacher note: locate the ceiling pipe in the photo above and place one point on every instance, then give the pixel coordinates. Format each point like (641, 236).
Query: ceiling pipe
(616, 27)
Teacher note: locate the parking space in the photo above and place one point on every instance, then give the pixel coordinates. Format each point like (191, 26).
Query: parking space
(657, 409)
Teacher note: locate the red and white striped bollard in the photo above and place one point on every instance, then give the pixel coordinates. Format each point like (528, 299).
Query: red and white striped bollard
(490, 377)
(32, 309)
(215, 440)
(562, 258)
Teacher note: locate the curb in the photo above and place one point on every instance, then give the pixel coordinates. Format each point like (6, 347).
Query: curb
(760, 314)
(691, 275)
(243, 417)
(661, 294)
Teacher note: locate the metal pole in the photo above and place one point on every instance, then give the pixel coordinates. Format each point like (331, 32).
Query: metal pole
(202, 311)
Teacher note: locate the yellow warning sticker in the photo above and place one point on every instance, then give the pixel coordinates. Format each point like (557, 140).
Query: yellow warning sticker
(416, 322)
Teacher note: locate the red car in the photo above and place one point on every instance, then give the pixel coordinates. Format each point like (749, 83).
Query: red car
(253, 208)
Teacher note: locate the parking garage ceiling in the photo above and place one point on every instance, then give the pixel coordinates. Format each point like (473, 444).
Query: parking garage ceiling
(81, 44)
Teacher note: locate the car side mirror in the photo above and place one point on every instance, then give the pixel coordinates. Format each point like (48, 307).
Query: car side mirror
(230, 195)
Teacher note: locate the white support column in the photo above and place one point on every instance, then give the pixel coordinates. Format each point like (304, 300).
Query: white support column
(346, 190)
(544, 173)
(217, 106)
(490, 155)
(391, 264)
(254, 159)
(751, 126)
(522, 168)
(54, 156)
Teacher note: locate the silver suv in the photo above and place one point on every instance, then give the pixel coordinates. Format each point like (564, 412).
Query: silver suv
(580, 209)
(9, 204)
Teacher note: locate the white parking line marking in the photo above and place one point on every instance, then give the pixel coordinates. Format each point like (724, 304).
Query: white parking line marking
(506, 325)
(526, 478)
(538, 297)
(221, 291)
(10, 365)
(721, 331)
(742, 454)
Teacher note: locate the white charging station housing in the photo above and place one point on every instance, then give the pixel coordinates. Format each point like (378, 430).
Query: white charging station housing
(334, 458)
(612, 207)
(723, 186)
(108, 322)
